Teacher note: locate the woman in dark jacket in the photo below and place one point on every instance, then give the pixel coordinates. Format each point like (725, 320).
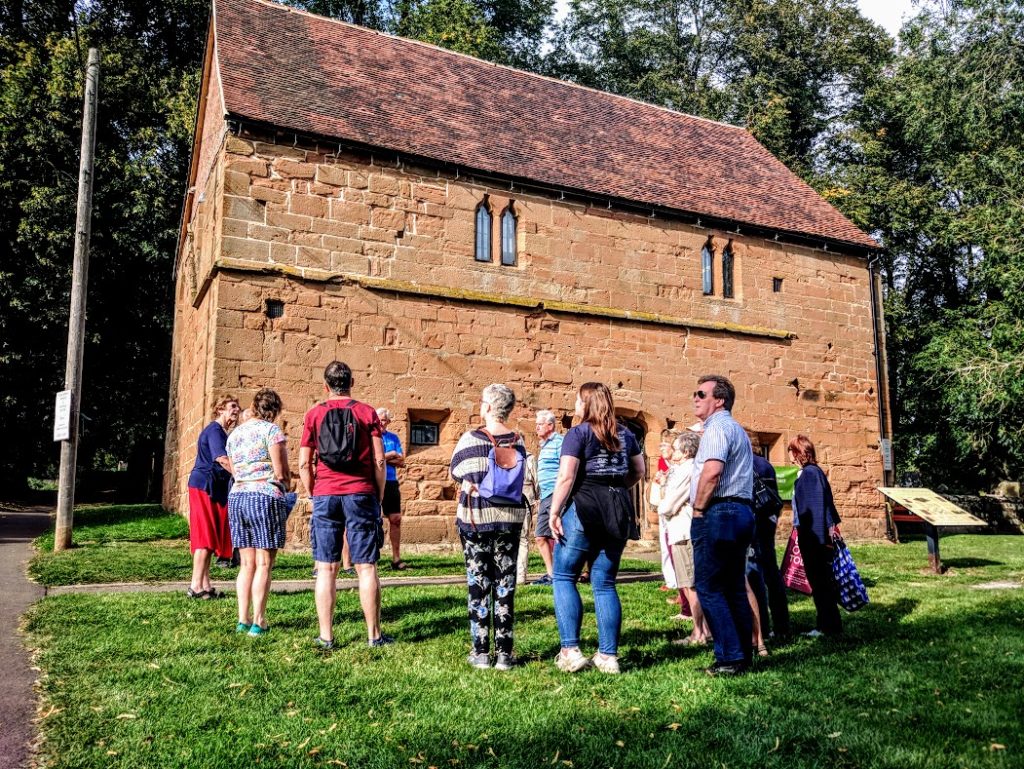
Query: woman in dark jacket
(815, 514)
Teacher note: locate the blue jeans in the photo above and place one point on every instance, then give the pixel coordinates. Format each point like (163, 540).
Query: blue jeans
(720, 541)
(571, 552)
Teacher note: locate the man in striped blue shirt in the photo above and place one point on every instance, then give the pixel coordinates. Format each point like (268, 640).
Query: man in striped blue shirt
(721, 492)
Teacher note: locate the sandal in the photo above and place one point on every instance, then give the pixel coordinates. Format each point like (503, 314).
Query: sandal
(198, 595)
(399, 565)
(762, 651)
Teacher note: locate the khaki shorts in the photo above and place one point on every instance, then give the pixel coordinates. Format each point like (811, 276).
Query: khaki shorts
(682, 562)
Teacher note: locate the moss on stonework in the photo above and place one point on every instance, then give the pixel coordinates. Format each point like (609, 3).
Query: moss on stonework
(484, 297)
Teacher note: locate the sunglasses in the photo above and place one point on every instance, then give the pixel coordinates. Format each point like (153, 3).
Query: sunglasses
(701, 395)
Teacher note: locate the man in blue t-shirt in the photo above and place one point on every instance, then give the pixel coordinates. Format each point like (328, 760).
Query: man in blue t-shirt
(391, 505)
(548, 454)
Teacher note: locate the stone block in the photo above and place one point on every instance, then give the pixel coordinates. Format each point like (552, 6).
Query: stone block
(236, 182)
(248, 166)
(336, 176)
(556, 372)
(244, 208)
(293, 222)
(348, 211)
(382, 184)
(243, 248)
(387, 220)
(308, 205)
(290, 169)
(238, 344)
(236, 146)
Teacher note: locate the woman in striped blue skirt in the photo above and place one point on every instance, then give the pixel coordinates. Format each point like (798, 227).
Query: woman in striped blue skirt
(257, 510)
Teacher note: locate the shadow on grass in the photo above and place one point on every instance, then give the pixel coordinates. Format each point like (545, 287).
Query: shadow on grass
(969, 563)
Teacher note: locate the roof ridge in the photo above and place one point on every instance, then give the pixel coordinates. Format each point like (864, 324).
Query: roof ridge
(411, 41)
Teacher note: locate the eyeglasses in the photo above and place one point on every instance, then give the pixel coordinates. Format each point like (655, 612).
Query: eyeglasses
(700, 394)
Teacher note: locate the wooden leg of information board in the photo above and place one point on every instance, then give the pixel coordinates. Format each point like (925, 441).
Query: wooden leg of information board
(931, 534)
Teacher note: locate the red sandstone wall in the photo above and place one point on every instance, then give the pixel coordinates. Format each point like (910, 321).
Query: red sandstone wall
(297, 211)
(195, 319)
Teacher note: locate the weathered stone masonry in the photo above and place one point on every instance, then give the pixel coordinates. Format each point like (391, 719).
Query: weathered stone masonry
(373, 260)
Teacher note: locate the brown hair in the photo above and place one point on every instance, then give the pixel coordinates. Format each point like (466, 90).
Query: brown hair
(599, 411)
(803, 450)
(221, 403)
(266, 404)
(723, 391)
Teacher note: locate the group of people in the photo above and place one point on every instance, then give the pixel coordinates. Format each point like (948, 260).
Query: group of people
(715, 525)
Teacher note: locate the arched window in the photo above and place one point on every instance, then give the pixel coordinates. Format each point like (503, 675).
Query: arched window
(508, 236)
(707, 269)
(483, 232)
(727, 264)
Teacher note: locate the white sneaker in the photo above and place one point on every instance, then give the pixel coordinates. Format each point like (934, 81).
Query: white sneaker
(813, 634)
(573, 662)
(606, 664)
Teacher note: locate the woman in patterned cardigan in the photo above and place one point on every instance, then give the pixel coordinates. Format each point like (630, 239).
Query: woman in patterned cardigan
(489, 530)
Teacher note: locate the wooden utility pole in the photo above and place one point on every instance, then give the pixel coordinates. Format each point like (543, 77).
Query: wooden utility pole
(76, 324)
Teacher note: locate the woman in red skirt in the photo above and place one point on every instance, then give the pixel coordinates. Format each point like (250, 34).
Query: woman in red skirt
(208, 487)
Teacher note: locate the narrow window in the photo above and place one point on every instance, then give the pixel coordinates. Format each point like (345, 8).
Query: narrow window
(727, 263)
(508, 237)
(777, 285)
(707, 273)
(483, 232)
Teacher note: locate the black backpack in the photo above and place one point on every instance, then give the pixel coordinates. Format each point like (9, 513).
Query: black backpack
(767, 501)
(336, 441)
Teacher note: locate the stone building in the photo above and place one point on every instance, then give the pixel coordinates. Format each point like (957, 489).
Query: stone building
(440, 223)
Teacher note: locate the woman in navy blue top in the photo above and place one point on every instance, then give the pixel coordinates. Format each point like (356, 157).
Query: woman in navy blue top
(208, 487)
(815, 514)
(592, 516)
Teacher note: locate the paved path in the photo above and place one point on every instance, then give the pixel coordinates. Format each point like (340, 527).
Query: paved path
(295, 585)
(18, 527)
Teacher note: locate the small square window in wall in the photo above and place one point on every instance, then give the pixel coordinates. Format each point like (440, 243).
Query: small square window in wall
(423, 433)
(275, 308)
(777, 285)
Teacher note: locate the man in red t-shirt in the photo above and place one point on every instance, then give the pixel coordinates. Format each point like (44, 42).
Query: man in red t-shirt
(345, 502)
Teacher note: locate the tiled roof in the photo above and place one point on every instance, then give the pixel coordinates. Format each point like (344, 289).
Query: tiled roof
(318, 76)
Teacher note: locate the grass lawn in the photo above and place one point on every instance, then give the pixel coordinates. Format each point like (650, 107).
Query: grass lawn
(145, 543)
(928, 675)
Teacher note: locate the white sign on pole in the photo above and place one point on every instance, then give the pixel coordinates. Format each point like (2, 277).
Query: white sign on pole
(62, 416)
(886, 447)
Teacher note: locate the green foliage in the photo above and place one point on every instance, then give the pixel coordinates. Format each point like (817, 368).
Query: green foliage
(927, 677)
(505, 31)
(934, 163)
(783, 68)
(458, 25)
(148, 79)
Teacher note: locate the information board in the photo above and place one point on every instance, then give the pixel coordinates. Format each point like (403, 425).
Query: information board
(62, 416)
(931, 507)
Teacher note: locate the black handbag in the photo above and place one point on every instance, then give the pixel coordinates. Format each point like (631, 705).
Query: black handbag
(767, 501)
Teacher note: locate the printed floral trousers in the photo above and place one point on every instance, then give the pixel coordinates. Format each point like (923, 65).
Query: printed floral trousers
(491, 578)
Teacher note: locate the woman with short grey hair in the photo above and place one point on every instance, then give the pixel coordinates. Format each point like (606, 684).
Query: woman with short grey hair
(490, 464)
(502, 400)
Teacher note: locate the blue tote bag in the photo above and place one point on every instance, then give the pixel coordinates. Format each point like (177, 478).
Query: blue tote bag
(850, 587)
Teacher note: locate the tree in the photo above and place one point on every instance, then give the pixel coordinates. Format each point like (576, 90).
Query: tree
(504, 31)
(148, 88)
(934, 163)
(785, 69)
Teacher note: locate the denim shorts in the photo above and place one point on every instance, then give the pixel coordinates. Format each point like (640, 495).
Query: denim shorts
(357, 515)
